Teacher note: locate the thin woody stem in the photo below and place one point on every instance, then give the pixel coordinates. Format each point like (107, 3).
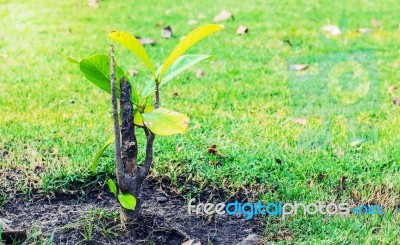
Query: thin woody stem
(115, 114)
(157, 95)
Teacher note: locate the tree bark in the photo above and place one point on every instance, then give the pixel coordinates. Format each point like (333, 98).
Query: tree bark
(130, 181)
(129, 176)
(129, 142)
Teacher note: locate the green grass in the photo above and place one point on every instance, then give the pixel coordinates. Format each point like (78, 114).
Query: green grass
(52, 120)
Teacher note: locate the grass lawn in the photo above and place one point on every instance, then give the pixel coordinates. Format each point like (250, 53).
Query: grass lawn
(52, 120)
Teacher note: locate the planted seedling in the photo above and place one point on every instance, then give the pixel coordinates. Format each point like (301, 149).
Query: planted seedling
(135, 111)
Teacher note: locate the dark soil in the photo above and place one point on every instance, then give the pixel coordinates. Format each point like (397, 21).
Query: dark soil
(164, 220)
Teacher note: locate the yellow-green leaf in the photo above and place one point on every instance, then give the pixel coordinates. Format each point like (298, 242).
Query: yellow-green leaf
(112, 186)
(137, 118)
(127, 201)
(188, 41)
(96, 69)
(100, 153)
(165, 122)
(181, 64)
(130, 42)
(72, 60)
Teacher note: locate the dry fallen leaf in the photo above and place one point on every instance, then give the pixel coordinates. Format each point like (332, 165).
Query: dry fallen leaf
(213, 162)
(391, 89)
(342, 182)
(199, 73)
(396, 101)
(224, 15)
(132, 72)
(146, 41)
(192, 22)
(188, 242)
(322, 176)
(364, 30)
(176, 94)
(311, 183)
(166, 32)
(355, 143)
(375, 23)
(288, 42)
(331, 29)
(159, 24)
(213, 150)
(94, 3)
(179, 148)
(297, 67)
(242, 30)
(354, 194)
(300, 120)
(191, 242)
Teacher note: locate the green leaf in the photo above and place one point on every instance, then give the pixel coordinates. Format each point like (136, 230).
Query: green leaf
(187, 42)
(165, 122)
(96, 69)
(130, 42)
(127, 201)
(100, 153)
(72, 60)
(181, 64)
(112, 186)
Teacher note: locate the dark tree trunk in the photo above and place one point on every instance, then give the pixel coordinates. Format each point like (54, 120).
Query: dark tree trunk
(129, 181)
(129, 176)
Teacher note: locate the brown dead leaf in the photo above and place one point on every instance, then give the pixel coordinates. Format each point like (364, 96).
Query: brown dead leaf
(241, 30)
(201, 16)
(375, 23)
(322, 176)
(364, 30)
(191, 242)
(342, 182)
(179, 148)
(146, 41)
(311, 183)
(159, 24)
(199, 73)
(396, 101)
(354, 194)
(356, 143)
(133, 72)
(213, 162)
(166, 32)
(192, 22)
(391, 89)
(331, 30)
(224, 15)
(213, 150)
(176, 94)
(288, 42)
(297, 67)
(94, 3)
(300, 121)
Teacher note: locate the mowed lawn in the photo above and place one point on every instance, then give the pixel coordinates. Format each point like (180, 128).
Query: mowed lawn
(52, 120)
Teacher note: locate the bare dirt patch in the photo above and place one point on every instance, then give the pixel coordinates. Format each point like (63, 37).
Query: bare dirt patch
(93, 219)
